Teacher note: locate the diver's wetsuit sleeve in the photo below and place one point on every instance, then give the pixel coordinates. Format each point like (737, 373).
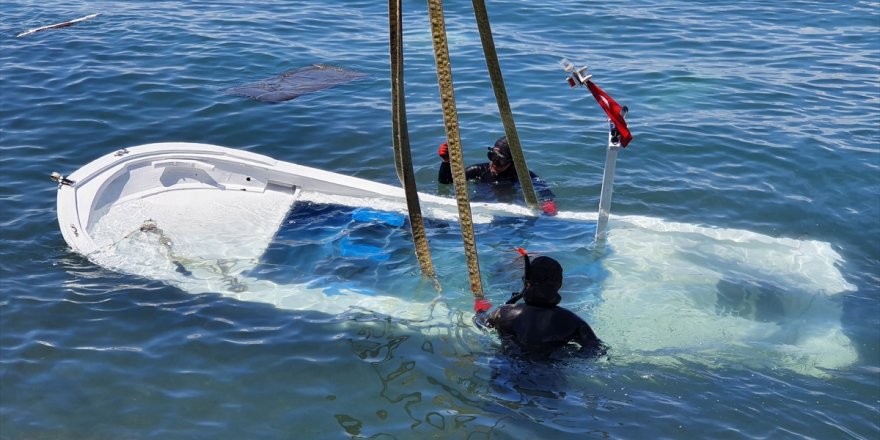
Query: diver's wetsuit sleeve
(491, 320)
(586, 337)
(541, 187)
(444, 176)
(580, 331)
(477, 172)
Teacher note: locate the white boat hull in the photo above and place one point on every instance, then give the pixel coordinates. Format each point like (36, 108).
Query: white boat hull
(181, 174)
(201, 217)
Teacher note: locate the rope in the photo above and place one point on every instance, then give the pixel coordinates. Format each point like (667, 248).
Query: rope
(519, 160)
(453, 138)
(400, 139)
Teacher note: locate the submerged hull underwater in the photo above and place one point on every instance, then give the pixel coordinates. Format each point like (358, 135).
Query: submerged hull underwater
(212, 219)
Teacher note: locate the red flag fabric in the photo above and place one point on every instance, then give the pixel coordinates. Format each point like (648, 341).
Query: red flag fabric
(613, 110)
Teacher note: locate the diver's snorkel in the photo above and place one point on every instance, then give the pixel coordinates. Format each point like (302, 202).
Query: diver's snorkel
(515, 296)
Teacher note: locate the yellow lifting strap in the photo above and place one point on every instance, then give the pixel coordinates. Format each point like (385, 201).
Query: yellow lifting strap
(400, 140)
(450, 122)
(519, 160)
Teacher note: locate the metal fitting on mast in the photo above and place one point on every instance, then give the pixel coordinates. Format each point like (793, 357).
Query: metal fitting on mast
(579, 77)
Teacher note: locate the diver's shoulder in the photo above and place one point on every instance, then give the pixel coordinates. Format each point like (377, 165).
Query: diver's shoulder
(568, 313)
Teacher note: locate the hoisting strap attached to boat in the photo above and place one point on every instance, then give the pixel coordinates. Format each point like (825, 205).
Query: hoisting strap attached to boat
(453, 138)
(519, 160)
(400, 140)
(395, 38)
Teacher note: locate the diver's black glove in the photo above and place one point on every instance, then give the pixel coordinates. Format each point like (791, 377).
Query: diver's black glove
(443, 152)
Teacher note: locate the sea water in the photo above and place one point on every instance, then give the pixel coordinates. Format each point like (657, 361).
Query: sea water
(739, 290)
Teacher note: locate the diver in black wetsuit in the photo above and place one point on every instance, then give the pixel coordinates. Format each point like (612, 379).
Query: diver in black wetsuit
(540, 326)
(499, 169)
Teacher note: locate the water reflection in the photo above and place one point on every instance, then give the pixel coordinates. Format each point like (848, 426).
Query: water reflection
(449, 380)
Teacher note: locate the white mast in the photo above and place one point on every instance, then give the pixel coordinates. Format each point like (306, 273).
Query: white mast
(579, 77)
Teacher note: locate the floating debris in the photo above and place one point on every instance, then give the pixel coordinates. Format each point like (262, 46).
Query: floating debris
(57, 25)
(294, 83)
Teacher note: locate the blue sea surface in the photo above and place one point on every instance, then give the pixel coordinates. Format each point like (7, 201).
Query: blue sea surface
(752, 115)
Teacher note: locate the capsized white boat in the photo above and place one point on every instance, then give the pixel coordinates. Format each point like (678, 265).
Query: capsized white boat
(201, 187)
(200, 217)
(206, 218)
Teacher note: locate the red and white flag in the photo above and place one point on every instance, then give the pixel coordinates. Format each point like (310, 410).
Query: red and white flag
(613, 110)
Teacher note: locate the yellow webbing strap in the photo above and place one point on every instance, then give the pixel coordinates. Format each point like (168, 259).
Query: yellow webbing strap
(395, 39)
(450, 122)
(519, 160)
(400, 139)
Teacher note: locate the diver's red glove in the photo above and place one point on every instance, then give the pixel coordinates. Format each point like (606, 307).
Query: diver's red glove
(549, 207)
(443, 152)
(482, 305)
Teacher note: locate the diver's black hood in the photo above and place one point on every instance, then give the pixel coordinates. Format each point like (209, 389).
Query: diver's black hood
(545, 279)
(503, 147)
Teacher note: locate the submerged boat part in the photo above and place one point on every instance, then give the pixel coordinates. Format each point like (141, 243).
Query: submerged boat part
(295, 83)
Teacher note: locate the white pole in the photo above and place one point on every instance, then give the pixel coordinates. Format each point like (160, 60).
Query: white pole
(607, 190)
(579, 77)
